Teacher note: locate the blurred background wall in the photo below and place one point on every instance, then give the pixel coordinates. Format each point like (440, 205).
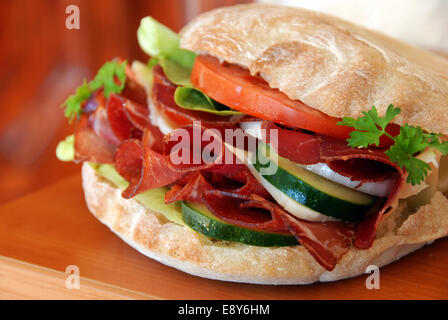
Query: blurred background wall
(42, 62)
(421, 22)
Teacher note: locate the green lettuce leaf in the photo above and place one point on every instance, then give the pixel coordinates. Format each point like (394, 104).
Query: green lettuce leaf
(159, 41)
(175, 72)
(65, 151)
(163, 46)
(193, 99)
(153, 199)
(186, 96)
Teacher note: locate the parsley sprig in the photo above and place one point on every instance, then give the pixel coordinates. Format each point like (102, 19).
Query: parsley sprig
(410, 141)
(73, 104)
(105, 78)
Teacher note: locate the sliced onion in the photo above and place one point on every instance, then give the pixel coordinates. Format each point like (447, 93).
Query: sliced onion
(252, 128)
(379, 189)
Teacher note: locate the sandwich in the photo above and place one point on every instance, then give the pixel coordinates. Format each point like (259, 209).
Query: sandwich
(266, 144)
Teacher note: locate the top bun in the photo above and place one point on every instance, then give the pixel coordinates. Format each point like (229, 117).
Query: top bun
(332, 65)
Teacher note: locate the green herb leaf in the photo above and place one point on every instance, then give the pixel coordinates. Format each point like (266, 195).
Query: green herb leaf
(73, 104)
(411, 141)
(417, 169)
(111, 76)
(371, 127)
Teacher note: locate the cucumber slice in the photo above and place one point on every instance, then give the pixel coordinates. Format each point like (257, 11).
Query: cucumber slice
(200, 219)
(313, 191)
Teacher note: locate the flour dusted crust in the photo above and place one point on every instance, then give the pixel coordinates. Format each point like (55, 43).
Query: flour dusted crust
(331, 65)
(184, 249)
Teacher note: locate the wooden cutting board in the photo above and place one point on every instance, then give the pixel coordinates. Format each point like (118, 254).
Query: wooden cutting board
(44, 232)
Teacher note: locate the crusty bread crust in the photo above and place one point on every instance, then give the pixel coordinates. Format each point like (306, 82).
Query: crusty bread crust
(332, 65)
(184, 249)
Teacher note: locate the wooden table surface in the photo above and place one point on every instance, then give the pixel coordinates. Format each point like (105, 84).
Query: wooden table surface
(46, 231)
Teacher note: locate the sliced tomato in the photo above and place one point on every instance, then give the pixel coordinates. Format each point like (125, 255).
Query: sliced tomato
(236, 88)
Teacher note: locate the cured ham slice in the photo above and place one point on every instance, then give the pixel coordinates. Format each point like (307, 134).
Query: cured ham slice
(194, 147)
(249, 211)
(296, 146)
(327, 242)
(118, 119)
(143, 168)
(366, 229)
(366, 165)
(129, 119)
(89, 146)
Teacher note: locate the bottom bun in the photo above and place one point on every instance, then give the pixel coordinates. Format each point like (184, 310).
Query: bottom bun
(184, 249)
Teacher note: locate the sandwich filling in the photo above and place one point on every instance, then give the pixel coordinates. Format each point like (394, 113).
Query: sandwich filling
(218, 150)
